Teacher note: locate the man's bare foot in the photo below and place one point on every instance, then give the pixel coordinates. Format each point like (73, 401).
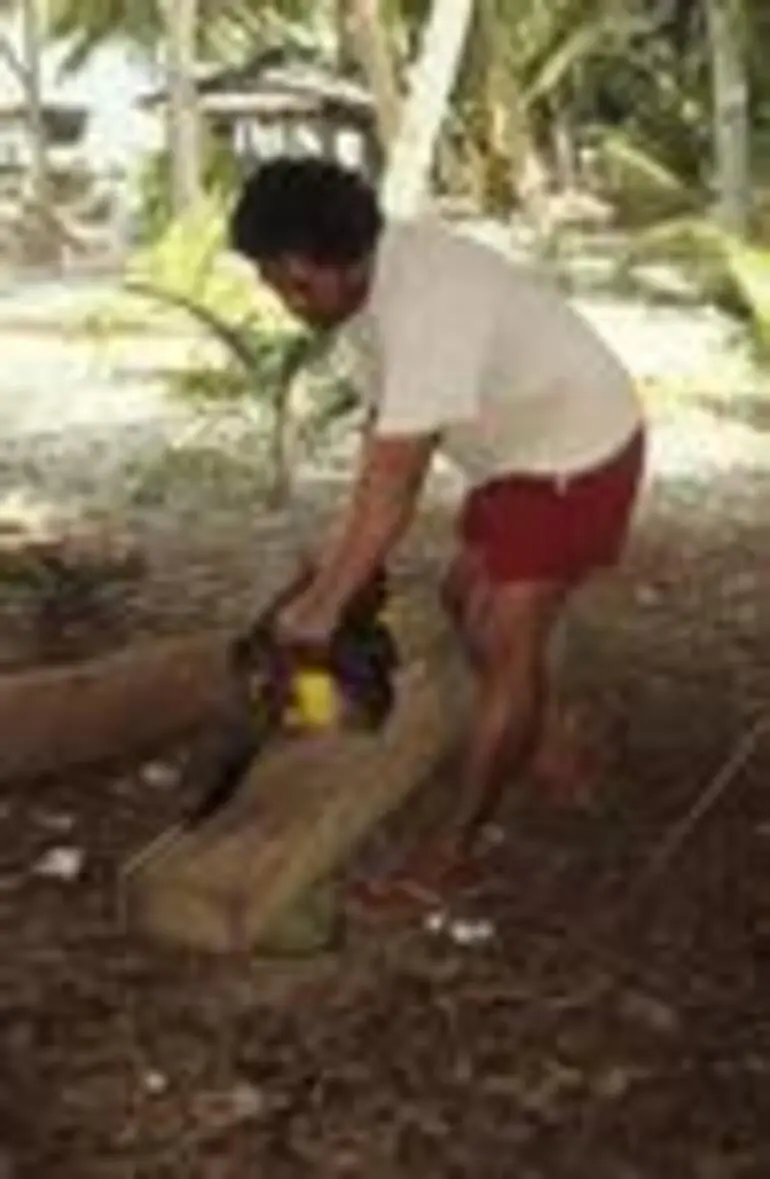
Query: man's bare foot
(570, 763)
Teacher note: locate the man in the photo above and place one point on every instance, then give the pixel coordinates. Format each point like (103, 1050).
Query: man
(457, 349)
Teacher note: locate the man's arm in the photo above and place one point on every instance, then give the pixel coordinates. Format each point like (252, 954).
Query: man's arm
(391, 475)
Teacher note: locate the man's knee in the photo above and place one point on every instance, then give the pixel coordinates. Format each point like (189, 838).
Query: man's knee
(458, 582)
(519, 624)
(466, 596)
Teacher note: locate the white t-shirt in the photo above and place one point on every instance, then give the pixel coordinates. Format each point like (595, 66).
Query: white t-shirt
(455, 338)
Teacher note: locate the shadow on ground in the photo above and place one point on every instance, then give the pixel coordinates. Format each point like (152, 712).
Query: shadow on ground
(598, 1035)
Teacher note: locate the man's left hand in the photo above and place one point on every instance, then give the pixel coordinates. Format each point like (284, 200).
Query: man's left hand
(307, 620)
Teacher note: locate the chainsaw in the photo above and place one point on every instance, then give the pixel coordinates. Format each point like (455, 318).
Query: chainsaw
(282, 692)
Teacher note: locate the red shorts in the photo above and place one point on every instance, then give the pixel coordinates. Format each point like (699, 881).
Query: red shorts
(549, 528)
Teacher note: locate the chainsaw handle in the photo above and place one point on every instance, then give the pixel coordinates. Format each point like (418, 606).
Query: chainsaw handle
(260, 637)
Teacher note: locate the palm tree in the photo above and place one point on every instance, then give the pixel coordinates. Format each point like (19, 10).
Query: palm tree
(32, 42)
(368, 35)
(180, 19)
(729, 66)
(26, 68)
(433, 78)
(182, 30)
(173, 25)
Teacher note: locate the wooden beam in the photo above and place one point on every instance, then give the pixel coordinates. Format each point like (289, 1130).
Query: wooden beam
(122, 706)
(247, 879)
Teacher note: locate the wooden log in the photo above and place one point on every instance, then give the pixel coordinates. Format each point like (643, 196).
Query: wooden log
(244, 880)
(121, 706)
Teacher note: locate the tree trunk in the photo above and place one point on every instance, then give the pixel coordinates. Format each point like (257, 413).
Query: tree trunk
(564, 152)
(325, 23)
(38, 193)
(408, 173)
(346, 52)
(731, 114)
(181, 19)
(510, 133)
(368, 37)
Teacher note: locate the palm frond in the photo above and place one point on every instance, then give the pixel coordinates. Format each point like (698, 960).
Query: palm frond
(575, 48)
(84, 25)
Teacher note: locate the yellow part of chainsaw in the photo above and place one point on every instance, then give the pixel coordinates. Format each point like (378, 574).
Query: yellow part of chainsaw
(281, 691)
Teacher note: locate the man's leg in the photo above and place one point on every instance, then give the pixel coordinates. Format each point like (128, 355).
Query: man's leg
(525, 544)
(466, 597)
(508, 628)
(505, 630)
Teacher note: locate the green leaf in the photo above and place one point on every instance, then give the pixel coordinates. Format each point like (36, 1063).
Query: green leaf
(237, 341)
(750, 270)
(575, 48)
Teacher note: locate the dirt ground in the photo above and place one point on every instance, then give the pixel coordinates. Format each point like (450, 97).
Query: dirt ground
(614, 1025)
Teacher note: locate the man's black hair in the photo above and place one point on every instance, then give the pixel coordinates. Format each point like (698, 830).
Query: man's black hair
(309, 207)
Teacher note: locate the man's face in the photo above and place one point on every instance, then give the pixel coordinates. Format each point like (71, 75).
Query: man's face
(321, 295)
